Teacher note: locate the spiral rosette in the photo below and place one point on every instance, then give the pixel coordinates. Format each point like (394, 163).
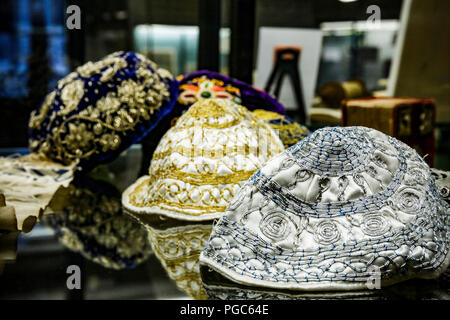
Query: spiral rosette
(275, 226)
(375, 225)
(409, 200)
(326, 232)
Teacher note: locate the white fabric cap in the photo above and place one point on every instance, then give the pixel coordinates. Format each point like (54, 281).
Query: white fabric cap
(332, 211)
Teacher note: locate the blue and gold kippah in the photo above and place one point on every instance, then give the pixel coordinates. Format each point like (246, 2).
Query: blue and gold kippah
(101, 109)
(290, 132)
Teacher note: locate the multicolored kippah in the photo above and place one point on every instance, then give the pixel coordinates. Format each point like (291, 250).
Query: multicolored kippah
(101, 109)
(212, 85)
(329, 213)
(290, 132)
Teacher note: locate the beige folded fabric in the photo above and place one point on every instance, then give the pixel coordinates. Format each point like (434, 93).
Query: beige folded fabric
(28, 184)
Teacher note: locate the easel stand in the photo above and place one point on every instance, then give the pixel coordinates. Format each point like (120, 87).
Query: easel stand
(286, 63)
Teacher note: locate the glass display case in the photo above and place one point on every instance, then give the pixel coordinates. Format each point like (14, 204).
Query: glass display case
(131, 141)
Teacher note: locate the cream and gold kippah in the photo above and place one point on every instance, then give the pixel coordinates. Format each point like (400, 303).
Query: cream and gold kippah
(202, 161)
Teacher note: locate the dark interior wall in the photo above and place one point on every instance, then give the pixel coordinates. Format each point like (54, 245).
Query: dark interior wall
(172, 12)
(108, 26)
(310, 13)
(287, 13)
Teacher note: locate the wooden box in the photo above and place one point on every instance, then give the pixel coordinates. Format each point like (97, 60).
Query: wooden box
(410, 120)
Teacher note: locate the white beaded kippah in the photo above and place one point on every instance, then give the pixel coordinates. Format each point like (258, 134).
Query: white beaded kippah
(330, 211)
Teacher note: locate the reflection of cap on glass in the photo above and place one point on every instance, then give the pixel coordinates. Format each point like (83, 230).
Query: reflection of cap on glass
(217, 287)
(201, 162)
(177, 244)
(290, 132)
(329, 212)
(8, 246)
(207, 84)
(90, 221)
(101, 109)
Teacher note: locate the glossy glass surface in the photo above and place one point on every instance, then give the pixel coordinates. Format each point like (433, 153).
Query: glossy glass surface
(121, 256)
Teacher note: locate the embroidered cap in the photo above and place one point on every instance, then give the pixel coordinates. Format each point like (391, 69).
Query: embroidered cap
(202, 161)
(101, 109)
(290, 132)
(331, 211)
(88, 219)
(212, 85)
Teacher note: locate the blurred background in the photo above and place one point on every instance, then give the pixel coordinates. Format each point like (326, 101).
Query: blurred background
(347, 49)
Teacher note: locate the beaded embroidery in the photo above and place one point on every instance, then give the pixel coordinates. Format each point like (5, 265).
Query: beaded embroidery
(101, 109)
(203, 88)
(290, 132)
(202, 161)
(330, 229)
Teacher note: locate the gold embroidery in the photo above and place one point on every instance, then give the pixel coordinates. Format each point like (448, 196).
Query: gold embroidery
(179, 197)
(199, 179)
(71, 95)
(289, 133)
(200, 163)
(98, 127)
(67, 79)
(116, 63)
(36, 119)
